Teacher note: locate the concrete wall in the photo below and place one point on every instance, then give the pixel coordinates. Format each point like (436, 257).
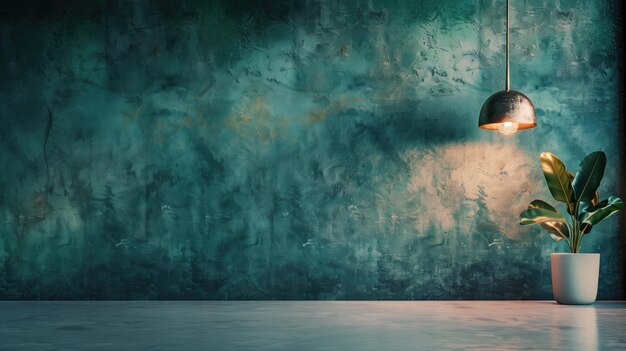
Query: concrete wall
(293, 150)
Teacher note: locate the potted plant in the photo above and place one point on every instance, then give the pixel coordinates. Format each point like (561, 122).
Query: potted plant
(574, 274)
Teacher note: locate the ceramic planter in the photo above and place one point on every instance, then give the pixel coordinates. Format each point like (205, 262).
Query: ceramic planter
(575, 277)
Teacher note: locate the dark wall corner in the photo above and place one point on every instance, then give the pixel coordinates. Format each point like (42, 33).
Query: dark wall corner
(619, 27)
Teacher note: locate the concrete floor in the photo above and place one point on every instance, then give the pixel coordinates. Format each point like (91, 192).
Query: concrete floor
(307, 325)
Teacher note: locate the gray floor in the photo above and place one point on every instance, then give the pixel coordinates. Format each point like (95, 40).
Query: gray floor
(401, 325)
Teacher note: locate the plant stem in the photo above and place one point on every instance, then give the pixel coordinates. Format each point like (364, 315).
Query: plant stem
(575, 237)
(576, 229)
(575, 243)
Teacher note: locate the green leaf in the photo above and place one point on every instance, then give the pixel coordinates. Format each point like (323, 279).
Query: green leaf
(589, 175)
(539, 212)
(603, 210)
(585, 206)
(558, 179)
(558, 230)
(570, 175)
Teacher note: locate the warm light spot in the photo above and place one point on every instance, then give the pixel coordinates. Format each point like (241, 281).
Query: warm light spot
(507, 128)
(473, 184)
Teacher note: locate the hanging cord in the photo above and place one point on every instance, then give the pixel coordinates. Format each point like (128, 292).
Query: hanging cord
(508, 85)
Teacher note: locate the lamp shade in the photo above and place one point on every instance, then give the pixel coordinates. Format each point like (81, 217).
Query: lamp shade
(507, 109)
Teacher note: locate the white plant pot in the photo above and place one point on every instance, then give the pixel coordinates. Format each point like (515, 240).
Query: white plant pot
(575, 277)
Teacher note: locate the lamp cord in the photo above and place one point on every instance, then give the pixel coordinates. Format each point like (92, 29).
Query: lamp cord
(508, 85)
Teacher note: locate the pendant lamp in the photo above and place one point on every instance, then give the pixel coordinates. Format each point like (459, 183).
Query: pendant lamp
(507, 111)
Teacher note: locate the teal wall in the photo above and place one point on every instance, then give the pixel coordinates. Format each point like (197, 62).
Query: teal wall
(293, 150)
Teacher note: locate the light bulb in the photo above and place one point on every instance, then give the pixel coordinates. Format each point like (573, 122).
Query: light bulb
(507, 128)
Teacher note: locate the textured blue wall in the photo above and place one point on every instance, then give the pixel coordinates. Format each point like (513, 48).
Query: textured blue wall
(296, 150)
